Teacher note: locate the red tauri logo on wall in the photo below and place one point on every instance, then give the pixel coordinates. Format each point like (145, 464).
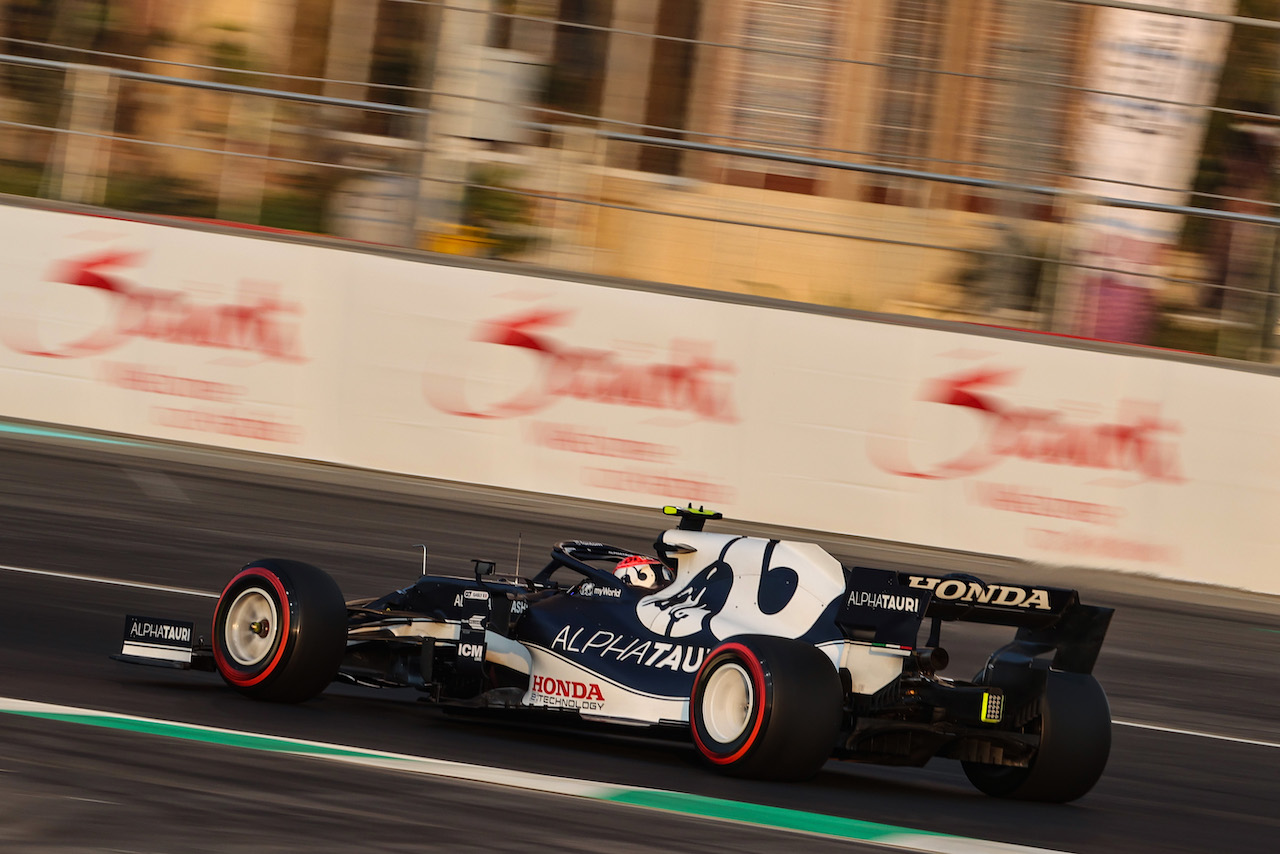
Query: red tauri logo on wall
(1138, 442)
(259, 323)
(689, 381)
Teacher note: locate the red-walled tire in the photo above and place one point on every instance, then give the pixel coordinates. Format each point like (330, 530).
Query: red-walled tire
(280, 631)
(766, 707)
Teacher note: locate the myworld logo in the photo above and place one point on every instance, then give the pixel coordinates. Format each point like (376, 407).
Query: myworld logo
(1137, 443)
(687, 381)
(260, 323)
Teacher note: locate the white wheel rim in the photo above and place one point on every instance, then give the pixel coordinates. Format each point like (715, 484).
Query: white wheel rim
(252, 625)
(727, 702)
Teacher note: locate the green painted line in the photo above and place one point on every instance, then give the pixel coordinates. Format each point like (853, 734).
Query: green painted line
(47, 433)
(189, 733)
(766, 816)
(695, 806)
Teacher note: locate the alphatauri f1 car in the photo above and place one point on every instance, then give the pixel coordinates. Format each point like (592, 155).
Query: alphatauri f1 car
(769, 654)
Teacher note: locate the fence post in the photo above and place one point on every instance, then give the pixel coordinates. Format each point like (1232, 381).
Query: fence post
(80, 159)
(455, 77)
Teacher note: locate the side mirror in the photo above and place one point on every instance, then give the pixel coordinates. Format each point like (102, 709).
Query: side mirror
(483, 568)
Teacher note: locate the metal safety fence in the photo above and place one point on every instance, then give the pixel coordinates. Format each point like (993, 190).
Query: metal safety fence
(965, 161)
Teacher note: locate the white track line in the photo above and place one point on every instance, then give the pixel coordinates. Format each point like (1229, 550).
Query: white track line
(1251, 741)
(203, 593)
(141, 585)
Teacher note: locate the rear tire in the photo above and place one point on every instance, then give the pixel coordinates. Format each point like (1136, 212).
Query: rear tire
(1075, 741)
(280, 631)
(766, 707)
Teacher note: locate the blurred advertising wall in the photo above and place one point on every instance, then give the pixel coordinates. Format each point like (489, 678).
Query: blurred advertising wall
(935, 435)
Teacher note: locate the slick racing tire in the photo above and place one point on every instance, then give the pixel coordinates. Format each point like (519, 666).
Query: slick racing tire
(766, 707)
(1075, 740)
(280, 631)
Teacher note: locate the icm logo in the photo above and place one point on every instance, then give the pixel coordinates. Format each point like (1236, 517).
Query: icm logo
(474, 651)
(1138, 443)
(259, 323)
(689, 381)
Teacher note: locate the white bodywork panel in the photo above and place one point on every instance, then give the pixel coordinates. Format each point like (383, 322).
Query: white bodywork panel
(556, 682)
(499, 649)
(506, 652)
(872, 667)
(422, 627)
(722, 584)
(559, 683)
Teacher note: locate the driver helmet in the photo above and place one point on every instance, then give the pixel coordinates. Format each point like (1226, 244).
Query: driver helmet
(646, 573)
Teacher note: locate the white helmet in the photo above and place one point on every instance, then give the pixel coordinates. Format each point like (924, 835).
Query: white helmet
(646, 573)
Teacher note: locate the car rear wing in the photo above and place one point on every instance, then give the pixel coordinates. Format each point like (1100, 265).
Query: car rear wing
(887, 607)
(964, 597)
(1050, 620)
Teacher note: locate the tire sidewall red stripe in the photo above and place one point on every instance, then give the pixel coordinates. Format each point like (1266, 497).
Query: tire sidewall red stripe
(229, 669)
(743, 655)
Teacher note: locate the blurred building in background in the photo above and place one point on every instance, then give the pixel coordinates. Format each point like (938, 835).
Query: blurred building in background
(1051, 164)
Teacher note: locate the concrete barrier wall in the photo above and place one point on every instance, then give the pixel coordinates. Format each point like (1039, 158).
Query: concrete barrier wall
(935, 437)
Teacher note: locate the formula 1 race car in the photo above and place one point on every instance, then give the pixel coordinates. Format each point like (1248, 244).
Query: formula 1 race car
(769, 654)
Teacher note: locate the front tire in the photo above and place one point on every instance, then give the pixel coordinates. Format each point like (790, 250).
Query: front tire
(1075, 742)
(766, 707)
(279, 631)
